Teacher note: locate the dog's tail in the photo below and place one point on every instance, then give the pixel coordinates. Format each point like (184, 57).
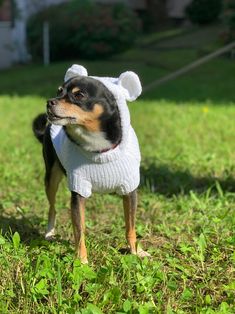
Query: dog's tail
(39, 126)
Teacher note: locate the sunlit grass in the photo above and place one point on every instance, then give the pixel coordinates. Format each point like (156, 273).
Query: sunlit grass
(186, 223)
(185, 216)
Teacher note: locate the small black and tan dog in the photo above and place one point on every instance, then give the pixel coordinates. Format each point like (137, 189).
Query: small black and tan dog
(88, 114)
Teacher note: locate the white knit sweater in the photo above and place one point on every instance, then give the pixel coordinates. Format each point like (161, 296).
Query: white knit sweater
(116, 170)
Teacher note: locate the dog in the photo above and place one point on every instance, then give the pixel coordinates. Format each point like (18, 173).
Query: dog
(87, 136)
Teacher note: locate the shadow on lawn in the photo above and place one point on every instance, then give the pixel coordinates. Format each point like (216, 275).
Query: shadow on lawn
(163, 181)
(29, 230)
(183, 92)
(213, 82)
(26, 227)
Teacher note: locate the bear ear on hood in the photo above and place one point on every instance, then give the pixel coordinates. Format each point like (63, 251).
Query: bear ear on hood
(75, 70)
(131, 83)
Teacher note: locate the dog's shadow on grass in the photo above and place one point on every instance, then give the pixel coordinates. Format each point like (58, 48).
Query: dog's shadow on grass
(162, 180)
(31, 234)
(26, 227)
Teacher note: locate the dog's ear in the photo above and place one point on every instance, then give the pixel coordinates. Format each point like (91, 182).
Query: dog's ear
(75, 70)
(131, 83)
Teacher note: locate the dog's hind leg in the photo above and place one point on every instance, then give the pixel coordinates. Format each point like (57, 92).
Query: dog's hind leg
(52, 180)
(78, 221)
(130, 206)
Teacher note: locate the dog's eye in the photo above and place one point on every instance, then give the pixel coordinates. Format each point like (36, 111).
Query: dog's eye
(79, 95)
(60, 90)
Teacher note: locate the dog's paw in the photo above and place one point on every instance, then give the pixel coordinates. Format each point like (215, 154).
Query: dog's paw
(50, 235)
(141, 253)
(84, 261)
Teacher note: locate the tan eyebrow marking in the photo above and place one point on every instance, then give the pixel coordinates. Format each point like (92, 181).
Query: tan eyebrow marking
(75, 90)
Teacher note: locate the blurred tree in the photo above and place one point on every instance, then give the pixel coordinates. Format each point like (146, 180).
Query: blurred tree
(229, 21)
(84, 29)
(204, 11)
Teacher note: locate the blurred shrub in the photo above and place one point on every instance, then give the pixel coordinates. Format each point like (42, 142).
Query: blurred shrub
(84, 29)
(229, 20)
(203, 11)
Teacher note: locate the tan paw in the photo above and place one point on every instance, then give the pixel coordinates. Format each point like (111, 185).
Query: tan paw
(141, 253)
(50, 235)
(84, 260)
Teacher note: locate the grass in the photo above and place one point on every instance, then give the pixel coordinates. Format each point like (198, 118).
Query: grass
(186, 206)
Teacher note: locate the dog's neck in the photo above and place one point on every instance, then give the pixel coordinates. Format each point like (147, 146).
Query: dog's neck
(89, 141)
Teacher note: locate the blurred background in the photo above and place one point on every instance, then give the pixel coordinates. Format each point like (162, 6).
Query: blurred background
(155, 38)
(52, 30)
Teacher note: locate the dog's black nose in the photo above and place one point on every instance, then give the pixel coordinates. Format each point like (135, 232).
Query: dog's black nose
(51, 102)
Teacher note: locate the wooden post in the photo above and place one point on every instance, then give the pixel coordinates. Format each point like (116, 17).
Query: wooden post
(46, 43)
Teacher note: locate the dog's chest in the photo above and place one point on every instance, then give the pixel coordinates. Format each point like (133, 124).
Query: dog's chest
(114, 171)
(90, 141)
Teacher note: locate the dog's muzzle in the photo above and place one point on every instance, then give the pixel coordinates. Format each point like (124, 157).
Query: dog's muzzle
(51, 103)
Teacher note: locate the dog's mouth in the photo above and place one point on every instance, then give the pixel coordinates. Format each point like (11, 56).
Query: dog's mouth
(52, 117)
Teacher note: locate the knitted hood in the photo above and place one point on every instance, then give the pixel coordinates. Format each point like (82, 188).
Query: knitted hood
(126, 87)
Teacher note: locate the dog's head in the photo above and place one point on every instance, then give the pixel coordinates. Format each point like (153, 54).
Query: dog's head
(91, 105)
(82, 101)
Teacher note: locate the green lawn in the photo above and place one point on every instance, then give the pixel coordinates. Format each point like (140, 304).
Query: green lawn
(186, 206)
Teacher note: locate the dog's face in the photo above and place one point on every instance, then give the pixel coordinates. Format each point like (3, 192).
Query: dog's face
(85, 103)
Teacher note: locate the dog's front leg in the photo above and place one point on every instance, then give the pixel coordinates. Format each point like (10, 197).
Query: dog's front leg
(130, 205)
(78, 221)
